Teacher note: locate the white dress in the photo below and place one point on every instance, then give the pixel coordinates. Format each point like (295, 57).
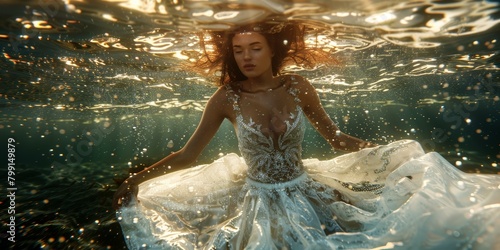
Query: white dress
(393, 196)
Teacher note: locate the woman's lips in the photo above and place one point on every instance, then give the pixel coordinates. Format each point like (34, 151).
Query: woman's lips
(249, 66)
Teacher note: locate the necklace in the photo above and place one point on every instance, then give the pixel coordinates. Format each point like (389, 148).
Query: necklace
(281, 84)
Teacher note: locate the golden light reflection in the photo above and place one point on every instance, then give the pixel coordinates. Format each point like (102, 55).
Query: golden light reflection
(380, 18)
(207, 13)
(223, 15)
(41, 24)
(69, 61)
(109, 17)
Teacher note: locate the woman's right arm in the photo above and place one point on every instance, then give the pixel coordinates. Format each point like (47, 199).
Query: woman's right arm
(214, 114)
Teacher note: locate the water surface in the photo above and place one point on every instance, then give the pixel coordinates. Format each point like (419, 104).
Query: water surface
(92, 89)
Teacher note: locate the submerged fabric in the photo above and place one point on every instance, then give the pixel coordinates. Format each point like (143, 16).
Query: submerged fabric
(425, 202)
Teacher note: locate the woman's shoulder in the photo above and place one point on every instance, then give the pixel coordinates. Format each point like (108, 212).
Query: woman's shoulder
(219, 102)
(225, 96)
(303, 90)
(297, 81)
(223, 92)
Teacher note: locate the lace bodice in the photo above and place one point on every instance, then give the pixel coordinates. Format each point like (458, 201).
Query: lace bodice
(271, 160)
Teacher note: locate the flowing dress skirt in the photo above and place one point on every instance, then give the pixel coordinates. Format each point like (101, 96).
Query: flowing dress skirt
(392, 196)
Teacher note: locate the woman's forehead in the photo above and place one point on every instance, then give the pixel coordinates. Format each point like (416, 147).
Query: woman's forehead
(248, 37)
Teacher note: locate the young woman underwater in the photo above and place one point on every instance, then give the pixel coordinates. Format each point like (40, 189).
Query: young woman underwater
(271, 198)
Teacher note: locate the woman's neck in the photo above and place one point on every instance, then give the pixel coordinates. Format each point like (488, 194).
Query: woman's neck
(260, 84)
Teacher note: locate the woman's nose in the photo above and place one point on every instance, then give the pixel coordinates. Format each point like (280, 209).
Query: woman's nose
(247, 55)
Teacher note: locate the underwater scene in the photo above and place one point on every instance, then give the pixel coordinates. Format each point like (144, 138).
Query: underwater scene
(92, 90)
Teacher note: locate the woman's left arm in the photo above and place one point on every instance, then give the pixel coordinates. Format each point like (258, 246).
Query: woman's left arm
(321, 121)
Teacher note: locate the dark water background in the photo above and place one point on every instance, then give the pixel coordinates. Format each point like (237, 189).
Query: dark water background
(90, 90)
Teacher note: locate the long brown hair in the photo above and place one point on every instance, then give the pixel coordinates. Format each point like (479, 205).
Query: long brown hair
(286, 40)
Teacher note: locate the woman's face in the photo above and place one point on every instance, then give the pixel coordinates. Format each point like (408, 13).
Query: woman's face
(252, 54)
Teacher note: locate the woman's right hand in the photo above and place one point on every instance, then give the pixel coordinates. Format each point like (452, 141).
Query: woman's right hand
(125, 193)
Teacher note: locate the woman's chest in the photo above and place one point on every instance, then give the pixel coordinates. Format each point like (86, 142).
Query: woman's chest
(270, 116)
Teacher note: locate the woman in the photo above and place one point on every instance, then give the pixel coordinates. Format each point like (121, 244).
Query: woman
(271, 198)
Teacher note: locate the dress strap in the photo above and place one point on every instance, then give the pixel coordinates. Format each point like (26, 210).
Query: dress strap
(233, 97)
(292, 90)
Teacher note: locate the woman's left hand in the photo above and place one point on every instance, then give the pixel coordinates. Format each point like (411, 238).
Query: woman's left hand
(125, 193)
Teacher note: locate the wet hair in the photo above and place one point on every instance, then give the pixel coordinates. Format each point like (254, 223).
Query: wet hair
(286, 40)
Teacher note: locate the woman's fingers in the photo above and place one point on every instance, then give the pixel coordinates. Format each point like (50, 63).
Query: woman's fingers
(124, 195)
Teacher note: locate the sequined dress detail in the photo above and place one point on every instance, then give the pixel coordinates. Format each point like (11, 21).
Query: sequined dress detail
(271, 161)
